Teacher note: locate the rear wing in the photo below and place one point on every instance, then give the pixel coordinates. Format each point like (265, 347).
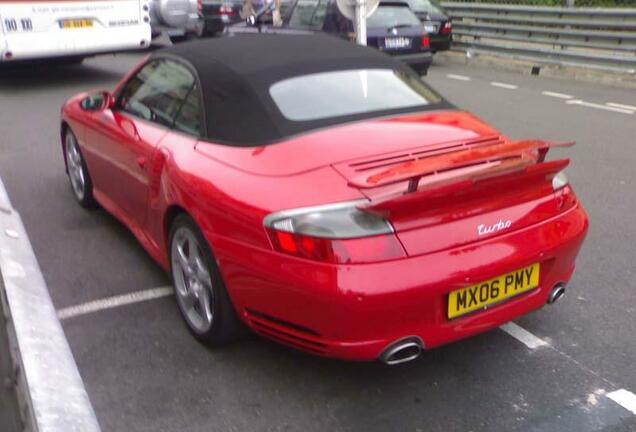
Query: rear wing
(519, 152)
(459, 170)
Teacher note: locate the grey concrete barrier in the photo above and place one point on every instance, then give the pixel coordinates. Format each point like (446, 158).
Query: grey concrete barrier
(42, 375)
(600, 37)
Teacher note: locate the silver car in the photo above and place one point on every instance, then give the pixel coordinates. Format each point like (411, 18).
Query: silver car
(178, 19)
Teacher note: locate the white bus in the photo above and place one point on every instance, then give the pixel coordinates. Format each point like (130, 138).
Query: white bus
(71, 28)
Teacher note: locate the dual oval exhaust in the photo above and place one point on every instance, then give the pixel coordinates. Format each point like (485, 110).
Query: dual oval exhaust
(556, 293)
(410, 348)
(402, 351)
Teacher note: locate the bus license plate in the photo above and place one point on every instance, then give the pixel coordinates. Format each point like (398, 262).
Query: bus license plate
(492, 291)
(76, 23)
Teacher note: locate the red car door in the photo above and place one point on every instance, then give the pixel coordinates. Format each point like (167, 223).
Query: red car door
(127, 145)
(122, 140)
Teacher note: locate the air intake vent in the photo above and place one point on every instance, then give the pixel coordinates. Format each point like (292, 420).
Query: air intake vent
(287, 333)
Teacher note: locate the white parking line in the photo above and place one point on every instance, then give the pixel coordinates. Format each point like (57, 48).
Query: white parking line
(557, 95)
(523, 335)
(598, 106)
(458, 77)
(504, 85)
(112, 302)
(623, 106)
(624, 398)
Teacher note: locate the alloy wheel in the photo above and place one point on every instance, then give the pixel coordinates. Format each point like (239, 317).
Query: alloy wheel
(192, 280)
(75, 166)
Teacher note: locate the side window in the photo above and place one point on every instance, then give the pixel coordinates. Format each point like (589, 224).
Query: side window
(157, 92)
(188, 118)
(319, 14)
(303, 13)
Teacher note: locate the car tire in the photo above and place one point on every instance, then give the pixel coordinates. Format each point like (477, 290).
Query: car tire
(73, 61)
(77, 171)
(201, 295)
(180, 39)
(62, 62)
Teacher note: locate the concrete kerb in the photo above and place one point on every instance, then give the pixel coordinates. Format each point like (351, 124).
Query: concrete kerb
(49, 389)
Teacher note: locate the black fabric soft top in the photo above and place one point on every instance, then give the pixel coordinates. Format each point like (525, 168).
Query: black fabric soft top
(236, 72)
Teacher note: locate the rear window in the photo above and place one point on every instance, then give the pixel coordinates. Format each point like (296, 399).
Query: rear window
(309, 13)
(342, 93)
(425, 6)
(393, 16)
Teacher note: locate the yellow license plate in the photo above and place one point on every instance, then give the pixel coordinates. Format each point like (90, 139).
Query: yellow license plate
(492, 291)
(76, 23)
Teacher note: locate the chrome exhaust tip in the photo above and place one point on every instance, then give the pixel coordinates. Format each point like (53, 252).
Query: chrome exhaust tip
(402, 351)
(556, 293)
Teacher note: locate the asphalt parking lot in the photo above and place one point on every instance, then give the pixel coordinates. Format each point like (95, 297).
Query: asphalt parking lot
(555, 370)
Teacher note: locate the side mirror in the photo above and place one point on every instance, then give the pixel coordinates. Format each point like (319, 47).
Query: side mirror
(98, 101)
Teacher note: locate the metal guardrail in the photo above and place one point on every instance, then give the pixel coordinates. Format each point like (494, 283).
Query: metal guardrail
(42, 375)
(596, 37)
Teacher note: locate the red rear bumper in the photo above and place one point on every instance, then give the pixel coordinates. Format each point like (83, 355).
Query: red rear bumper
(356, 311)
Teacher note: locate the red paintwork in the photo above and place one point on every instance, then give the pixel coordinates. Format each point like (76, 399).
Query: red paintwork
(353, 311)
(489, 156)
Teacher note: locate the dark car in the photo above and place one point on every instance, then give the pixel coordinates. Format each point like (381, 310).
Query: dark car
(393, 28)
(436, 23)
(218, 14)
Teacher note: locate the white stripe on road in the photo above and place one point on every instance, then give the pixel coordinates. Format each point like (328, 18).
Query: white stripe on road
(504, 85)
(623, 106)
(523, 335)
(458, 77)
(113, 302)
(557, 95)
(624, 398)
(597, 106)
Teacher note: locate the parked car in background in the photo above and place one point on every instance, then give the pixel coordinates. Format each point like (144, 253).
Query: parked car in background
(178, 19)
(436, 23)
(393, 28)
(218, 14)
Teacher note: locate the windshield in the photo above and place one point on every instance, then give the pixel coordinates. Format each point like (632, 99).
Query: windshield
(342, 93)
(424, 6)
(392, 16)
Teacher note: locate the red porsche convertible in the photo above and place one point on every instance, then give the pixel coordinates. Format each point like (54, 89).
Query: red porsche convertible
(321, 194)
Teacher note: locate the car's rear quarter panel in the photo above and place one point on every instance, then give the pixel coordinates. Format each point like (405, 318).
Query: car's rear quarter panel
(359, 309)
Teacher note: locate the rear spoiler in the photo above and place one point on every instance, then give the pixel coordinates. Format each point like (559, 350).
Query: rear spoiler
(458, 171)
(523, 152)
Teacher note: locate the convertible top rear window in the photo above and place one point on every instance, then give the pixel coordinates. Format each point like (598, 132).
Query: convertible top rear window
(285, 85)
(424, 6)
(348, 92)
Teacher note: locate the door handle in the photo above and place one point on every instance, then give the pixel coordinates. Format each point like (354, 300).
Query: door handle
(141, 161)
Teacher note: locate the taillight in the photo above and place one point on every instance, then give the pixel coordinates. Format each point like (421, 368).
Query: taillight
(446, 28)
(426, 42)
(337, 233)
(226, 10)
(562, 191)
(559, 181)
